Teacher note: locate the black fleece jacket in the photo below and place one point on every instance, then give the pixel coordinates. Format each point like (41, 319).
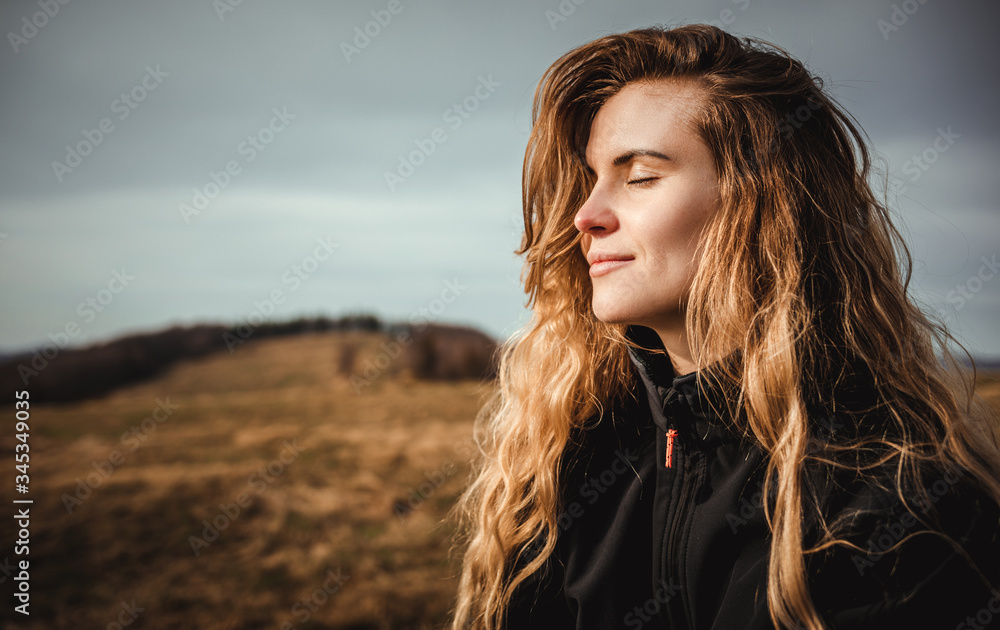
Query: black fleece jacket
(663, 526)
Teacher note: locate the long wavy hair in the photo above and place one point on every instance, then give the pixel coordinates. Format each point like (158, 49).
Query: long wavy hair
(802, 273)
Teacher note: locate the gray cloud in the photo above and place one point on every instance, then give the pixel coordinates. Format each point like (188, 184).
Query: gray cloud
(458, 214)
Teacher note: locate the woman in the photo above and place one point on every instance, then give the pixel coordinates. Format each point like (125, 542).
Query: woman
(725, 412)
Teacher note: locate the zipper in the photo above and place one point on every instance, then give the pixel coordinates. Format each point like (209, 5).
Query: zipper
(687, 480)
(669, 568)
(671, 434)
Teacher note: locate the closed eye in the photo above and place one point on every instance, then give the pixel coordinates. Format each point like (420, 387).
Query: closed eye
(643, 181)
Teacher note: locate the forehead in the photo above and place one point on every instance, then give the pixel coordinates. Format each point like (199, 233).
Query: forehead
(660, 112)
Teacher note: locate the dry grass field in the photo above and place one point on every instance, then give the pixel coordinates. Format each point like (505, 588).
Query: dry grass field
(272, 495)
(304, 482)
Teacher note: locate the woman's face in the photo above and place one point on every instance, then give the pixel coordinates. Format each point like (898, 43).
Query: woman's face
(655, 189)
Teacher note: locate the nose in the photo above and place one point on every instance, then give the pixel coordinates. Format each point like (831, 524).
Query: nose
(596, 216)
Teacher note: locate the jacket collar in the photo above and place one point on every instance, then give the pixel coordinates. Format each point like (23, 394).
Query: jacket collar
(690, 402)
(677, 402)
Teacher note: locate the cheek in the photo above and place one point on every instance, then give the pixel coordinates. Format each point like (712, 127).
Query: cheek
(677, 232)
(674, 235)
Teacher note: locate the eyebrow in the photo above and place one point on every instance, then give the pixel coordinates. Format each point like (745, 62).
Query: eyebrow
(628, 156)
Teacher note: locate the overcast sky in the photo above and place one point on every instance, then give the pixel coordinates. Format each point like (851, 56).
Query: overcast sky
(218, 155)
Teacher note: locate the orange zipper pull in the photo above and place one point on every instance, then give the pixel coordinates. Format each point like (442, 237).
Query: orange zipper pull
(671, 434)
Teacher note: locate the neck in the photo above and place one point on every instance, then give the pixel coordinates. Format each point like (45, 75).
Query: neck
(675, 342)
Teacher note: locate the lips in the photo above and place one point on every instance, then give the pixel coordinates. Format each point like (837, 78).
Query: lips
(602, 263)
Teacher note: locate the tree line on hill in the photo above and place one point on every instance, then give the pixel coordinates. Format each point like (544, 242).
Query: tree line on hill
(63, 375)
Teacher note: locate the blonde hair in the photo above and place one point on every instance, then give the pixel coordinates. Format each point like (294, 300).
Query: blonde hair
(799, 274)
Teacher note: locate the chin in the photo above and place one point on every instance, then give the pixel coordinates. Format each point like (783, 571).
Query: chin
(620, 310)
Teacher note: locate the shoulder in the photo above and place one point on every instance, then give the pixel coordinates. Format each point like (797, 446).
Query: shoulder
(623, 425)
(597, 469)
(926, 556)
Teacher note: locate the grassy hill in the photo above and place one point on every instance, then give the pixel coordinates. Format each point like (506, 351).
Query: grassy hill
(304, 482)
(257, 489)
